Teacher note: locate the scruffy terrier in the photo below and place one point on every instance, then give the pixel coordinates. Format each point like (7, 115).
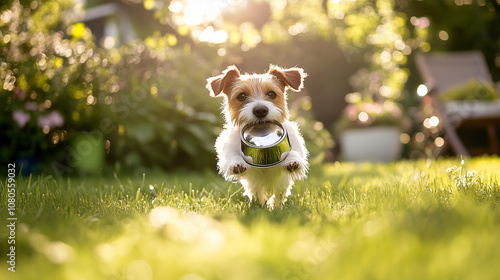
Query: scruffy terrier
(250, 99)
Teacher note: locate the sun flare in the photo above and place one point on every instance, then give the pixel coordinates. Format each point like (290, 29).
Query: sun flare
(195, 12)
(198, 14)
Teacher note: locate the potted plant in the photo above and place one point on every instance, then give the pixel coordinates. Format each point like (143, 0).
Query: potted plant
(370, 130)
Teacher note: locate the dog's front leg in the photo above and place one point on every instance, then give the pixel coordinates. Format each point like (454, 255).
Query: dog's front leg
(228, 146)
(295, 161)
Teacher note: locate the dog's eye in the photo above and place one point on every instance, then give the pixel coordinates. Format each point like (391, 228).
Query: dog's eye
(271, 94)
(242, 97)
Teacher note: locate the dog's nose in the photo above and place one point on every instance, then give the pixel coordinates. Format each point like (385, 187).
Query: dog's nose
(260, 111)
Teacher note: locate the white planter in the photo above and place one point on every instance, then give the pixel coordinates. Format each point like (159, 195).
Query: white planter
(375, 144)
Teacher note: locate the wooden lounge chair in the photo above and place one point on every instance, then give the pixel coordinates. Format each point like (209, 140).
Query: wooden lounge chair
(443, 71)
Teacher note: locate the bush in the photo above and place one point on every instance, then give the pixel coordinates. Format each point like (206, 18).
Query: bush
(163, 113)
(144, 104)
(42, 77)
(149, 109)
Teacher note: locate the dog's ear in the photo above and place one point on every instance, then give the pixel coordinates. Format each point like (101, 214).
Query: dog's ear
(292, 77)
(223, 82)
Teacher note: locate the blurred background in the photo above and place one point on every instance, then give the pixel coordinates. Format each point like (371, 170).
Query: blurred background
(100, 86)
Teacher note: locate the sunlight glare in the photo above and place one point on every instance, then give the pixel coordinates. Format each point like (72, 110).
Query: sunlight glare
(193, 15)
(196, 11)
(207, 34)
(219, 36)
(176, 7)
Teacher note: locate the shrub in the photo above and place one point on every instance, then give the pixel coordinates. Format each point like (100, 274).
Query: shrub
(56, 84)
(68, 101)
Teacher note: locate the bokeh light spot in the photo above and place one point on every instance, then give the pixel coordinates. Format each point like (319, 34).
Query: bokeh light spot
(363, 116)
(404, 138)
(58, 252)
(422, 90)
(419, 137)
(221, 52)
(139, 270)
(439, 142)
(443, 35)
(434, 121)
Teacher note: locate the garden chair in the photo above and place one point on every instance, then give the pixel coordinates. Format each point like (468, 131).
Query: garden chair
(443, 71)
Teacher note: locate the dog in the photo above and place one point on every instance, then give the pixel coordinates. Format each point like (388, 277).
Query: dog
(251, 99)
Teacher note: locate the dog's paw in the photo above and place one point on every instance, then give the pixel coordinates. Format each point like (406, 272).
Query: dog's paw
(238, 168)
(292, 166)
(296, 166)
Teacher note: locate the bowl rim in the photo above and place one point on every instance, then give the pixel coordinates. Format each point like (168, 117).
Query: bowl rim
(283, 137)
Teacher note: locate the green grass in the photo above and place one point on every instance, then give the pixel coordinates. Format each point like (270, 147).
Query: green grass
(407, 220)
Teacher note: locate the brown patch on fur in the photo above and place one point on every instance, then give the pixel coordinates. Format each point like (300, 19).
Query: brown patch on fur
(233, 104)
(292, 77)
(256, 86)
(223, 82)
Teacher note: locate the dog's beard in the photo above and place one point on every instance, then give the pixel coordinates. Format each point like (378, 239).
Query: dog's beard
(246, 115)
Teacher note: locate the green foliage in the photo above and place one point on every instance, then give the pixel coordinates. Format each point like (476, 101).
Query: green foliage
(408, 220)
(317, 138)
(472, 90)
(371, 27)
(147, 104)
(41, 76)
(56, 82)
(469, 25)
(162, 112)
(377, 29)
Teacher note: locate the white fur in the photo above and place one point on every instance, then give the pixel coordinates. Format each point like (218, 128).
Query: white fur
(246, 113)
(264, 185)
(271, 185)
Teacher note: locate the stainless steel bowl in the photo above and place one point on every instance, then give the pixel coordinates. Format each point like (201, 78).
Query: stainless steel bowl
(264, 143)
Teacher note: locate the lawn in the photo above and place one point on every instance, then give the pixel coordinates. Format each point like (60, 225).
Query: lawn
(407, 220)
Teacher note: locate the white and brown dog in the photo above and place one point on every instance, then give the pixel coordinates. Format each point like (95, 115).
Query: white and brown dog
(250, 99)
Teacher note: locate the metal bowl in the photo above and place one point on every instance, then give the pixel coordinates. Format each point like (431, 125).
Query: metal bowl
(264, 143)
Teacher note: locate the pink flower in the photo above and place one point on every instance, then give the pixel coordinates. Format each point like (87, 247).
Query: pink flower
(51, 120)
(57, 119)
(21, 94)
(21, 117)
(31, 106)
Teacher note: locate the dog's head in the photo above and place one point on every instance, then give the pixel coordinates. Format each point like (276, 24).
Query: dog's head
(256, 97)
